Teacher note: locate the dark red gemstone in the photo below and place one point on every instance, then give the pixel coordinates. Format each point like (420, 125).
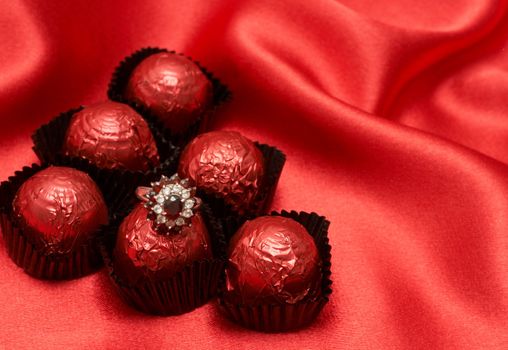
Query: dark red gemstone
(173, 206)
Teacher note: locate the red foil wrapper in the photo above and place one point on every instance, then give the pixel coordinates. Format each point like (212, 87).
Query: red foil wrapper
(272, 259)
(142, 254)
(172, 87)
(113, 136)
(59, 209)
(189, 287)
(225, 164)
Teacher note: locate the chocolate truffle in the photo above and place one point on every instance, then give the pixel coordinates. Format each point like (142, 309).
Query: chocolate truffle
(142, 253)
(59, 209)
(225, 164)
(172, 87)
(113, 136)
(272, 259)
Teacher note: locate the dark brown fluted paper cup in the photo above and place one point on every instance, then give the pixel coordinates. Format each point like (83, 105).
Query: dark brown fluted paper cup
(284, 316)
(188, 289)
(79, 262)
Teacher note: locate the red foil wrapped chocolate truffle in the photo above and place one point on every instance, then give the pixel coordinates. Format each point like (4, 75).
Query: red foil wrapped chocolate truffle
(225, 164)
(172, 87)
(272, 259)
(161, 237)
(113, 136)
(59, 209)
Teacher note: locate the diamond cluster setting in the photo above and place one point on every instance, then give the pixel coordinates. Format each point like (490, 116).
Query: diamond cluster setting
(172, 203)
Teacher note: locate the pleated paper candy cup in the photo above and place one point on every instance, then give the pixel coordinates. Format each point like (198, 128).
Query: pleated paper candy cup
(282, 317)
(185, 291)
(78, 262)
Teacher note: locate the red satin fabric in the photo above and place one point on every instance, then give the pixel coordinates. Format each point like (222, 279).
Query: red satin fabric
(393, 115)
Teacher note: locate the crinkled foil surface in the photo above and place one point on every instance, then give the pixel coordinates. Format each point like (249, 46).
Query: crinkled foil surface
(173, 87)
(272, 259)
(113, 136)
(59, 208)
(141, 252)
(224, 163)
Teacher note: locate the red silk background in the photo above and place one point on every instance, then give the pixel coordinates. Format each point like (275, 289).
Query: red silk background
(394, 118)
